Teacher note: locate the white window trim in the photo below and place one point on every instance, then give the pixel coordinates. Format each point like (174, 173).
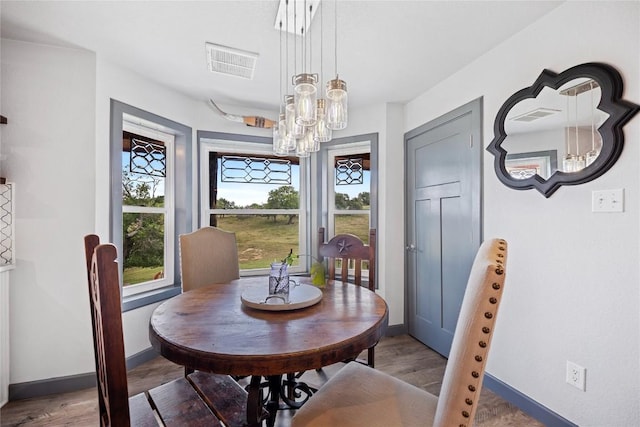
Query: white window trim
(241, 147)
(332, 153)
(159, 133)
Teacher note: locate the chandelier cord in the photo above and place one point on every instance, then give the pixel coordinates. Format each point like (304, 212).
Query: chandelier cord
(295, 47)
(280, 77)
(321, 50)
(287, 55)
(304, 37)
(335, 36)
(310, 41)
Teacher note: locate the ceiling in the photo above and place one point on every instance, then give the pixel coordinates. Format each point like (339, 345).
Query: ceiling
(388, 51)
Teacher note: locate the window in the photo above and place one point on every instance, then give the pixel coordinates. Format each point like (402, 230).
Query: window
(260, 197)
(349, 191)
(348, 171)
(150, 185)
(147, 208)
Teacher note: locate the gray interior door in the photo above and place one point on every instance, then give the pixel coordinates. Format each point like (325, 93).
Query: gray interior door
(443, 221)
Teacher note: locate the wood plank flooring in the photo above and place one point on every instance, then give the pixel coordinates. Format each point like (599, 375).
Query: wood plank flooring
(400, 356)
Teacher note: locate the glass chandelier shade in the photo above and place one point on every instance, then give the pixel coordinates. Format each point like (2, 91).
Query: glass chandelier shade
(337, 104)
(288, 141)
(294, 129)
(278, 143)
(305, 94)
(282, 142)
(307, 144)
(321, 132)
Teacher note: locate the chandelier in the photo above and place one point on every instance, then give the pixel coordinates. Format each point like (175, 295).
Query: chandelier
(306, 118)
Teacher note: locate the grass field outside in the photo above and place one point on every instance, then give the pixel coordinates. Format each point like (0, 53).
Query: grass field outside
(261, 240)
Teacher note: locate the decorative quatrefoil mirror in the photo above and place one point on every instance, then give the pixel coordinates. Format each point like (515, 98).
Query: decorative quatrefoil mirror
(565, 129)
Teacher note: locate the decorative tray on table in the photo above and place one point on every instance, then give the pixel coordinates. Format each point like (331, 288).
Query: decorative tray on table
(300, 296)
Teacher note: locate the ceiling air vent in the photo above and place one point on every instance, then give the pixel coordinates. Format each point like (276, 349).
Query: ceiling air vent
(536, 114)
(230, 61)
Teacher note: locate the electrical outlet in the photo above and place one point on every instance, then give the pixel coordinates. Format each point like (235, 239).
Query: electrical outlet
(576, 375)
(607, 200)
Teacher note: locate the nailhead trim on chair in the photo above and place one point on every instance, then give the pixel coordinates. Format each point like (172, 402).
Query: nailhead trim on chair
(485, 329)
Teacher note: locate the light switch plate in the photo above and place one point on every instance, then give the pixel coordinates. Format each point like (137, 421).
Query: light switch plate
(607, 200)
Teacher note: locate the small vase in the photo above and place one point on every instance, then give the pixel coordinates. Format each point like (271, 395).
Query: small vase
(279, 282)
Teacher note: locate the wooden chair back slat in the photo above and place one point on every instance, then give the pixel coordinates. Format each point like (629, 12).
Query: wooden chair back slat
(349, 250)
(108, 337)
(91, 241)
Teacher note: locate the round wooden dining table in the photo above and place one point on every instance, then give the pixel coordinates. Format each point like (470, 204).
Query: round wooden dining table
(211, 329)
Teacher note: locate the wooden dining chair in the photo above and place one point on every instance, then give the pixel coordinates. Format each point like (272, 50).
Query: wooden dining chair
(361, 396)
(208, 255)
(199, 399)
(344, 251)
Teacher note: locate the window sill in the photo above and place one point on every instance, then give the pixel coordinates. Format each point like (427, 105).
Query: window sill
(145, 298)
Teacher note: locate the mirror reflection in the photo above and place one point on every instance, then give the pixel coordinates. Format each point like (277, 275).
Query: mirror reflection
(564, 129)
(555, 131)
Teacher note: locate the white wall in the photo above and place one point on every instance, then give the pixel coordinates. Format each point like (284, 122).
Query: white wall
(573, 281)
(48, 96)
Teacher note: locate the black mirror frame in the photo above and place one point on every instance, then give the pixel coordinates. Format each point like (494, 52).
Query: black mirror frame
(619, 110)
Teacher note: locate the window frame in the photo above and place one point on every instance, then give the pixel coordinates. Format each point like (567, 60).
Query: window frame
(246, 144)
(321, 179)
(333, 152)
(182, 189)
(168, 139)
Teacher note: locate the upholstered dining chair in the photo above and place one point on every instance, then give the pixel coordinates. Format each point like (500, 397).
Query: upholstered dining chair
(361, 396)
(199, 399)
(208, 255)
(346, 250)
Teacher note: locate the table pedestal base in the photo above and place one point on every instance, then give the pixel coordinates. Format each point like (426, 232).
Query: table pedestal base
(288, 393)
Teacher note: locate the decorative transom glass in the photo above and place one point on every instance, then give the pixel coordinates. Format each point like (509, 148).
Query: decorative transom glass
(257, 170)
(6, 225)
(148, 158)
(349, 171)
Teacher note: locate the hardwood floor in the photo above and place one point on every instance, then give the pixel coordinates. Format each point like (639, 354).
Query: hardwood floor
(400, 356)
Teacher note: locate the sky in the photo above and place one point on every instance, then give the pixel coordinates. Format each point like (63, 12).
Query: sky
(244, 194)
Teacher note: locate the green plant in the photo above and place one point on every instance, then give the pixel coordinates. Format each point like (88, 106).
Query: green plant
(317, 271)
(289, 258)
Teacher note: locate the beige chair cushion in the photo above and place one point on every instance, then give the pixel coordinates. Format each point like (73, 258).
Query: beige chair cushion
(208, 256)
(361, 396)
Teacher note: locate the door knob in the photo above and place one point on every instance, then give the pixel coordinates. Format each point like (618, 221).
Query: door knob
(411, 247)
